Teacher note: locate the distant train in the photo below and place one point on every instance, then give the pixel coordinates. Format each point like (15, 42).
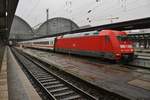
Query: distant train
(107, 44)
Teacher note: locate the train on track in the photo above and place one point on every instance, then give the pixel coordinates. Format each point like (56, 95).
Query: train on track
(109, 44)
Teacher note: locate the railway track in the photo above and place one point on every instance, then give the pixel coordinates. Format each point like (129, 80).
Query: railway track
(53, 86)
(95, 61)
(93, 90)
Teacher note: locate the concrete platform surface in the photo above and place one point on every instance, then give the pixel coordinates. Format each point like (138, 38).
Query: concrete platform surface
(3, 78)
(142, 50)
(133, 84)
(143, 60)
(142, 54)
(19, 86)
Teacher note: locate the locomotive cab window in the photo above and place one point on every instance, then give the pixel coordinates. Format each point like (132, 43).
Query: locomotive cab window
(96, 33)
(122, 37)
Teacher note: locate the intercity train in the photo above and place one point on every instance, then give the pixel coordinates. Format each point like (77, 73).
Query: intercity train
(108, 44)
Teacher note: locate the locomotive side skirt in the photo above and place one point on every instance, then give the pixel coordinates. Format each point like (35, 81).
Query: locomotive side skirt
(107, 55)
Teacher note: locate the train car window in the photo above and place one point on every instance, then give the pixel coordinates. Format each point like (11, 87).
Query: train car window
(34, 42)
(86, 34)
(51, 42)
(43, 42)
(107, 38)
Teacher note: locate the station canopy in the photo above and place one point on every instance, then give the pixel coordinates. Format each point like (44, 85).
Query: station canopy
(7, 10)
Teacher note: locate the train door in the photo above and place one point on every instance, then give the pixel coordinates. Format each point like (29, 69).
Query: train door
(106, 43)
(107, 47)
(55, 41)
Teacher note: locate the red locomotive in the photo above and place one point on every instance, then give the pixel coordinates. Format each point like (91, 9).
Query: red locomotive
(107, 44)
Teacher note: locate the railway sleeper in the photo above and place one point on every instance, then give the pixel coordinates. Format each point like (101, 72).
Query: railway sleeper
(63, 93)
(68, 96)
(41, 77)
(62, 89)
(50, 79)
(55, 86)
(50, 83)
(39, 74)
(74, 97)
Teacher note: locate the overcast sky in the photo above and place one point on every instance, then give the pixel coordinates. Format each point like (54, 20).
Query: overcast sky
(83, 12)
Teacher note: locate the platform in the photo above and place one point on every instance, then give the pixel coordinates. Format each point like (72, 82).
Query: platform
(19, 87)
(3, 78)
(133, 84)
(143, 54)
(142, 50)
(142, 60)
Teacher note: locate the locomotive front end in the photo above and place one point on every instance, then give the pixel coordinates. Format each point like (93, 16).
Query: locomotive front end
(126, 48)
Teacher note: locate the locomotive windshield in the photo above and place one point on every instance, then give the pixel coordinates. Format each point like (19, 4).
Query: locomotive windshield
(122, 38)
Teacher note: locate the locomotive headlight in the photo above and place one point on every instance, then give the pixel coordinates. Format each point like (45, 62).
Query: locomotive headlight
(122, 46)
(117, 54)
(130, 46)
(131, 50)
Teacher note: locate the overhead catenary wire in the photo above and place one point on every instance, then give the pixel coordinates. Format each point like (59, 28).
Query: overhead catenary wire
(120, 12)
(81, 12)
(91, 17)
(113, 9)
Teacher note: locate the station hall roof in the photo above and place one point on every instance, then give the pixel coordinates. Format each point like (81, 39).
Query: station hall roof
(7, 11)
